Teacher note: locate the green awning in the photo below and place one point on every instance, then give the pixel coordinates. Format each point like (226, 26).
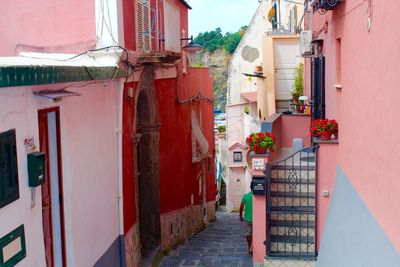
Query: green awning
(36, 75)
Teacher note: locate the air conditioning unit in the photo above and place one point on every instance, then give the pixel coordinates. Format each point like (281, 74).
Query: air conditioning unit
(325, 4)
(306, 47)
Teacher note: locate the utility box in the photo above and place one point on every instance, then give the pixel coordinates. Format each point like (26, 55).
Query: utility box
(36, 168)
(258, 185)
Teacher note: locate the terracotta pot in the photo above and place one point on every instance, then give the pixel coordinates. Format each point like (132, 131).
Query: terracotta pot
(325, 137)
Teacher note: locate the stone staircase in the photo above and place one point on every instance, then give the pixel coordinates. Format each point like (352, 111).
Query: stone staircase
(291, 217)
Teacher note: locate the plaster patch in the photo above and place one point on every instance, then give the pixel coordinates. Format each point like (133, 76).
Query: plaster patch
(250, 54)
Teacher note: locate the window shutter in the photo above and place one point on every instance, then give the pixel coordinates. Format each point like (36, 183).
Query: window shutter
(143, 25)
(9, 190)
(146, 26)
(318, 87)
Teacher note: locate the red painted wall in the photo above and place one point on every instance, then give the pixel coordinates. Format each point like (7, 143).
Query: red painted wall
(128, 167)
(177, 172)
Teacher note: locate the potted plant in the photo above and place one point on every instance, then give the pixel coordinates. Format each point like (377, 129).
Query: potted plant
(246, 110)
(258, 69)
(260, 143)
(323, 128)
(298, 87)
(221, 129)
(334, 128)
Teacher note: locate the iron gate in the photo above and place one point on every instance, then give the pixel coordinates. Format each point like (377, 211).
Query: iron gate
(291, 205)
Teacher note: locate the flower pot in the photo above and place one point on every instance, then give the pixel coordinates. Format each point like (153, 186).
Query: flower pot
(325, 137)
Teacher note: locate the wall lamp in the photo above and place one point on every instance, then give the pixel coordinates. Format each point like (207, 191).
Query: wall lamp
(190, 47)
(55, 95)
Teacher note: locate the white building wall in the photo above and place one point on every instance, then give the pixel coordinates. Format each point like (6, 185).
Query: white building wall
(248, 54)
(89, 152)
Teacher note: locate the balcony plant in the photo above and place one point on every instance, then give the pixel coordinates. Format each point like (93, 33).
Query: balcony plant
(298, 87)
(334, 128)
(260, 143)
(324, 128)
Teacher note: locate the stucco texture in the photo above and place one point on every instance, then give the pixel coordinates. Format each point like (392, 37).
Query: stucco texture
(352, 237)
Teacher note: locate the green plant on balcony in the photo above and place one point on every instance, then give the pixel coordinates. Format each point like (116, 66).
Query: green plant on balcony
(246, 110)
(298, 87)
(221, 129)
(260, 143)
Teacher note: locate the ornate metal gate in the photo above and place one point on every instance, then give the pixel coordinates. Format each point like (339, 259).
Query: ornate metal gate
(291, 205)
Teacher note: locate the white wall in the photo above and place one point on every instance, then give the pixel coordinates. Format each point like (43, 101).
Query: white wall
(237, 82)
(88, 141)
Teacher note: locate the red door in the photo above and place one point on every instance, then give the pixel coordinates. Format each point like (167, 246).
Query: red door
(43, 116)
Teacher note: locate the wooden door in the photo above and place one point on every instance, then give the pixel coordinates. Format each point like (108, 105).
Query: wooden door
(53, 215)
(286, 58)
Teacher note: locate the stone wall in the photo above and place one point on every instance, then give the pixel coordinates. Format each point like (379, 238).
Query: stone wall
(132, 247)
(179, 224)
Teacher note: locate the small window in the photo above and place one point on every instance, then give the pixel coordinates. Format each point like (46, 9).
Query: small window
(237, 156)
(9, 190)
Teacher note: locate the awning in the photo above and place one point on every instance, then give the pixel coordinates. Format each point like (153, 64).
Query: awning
(250, 96)
(199, 151)
(45, 68)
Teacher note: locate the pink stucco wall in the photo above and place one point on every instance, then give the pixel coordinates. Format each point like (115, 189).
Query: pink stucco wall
(327, 156)
(295, 127)
(68, 25)
(367, 105)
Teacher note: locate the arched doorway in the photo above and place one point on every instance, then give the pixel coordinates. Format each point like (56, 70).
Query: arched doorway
(148, 167)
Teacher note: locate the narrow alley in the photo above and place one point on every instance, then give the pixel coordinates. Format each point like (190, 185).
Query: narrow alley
(222, 243)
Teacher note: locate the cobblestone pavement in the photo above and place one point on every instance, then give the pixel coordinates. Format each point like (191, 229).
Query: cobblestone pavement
(222, 243)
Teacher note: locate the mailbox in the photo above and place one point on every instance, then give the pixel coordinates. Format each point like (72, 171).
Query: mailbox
(258, 185)
(36, 168)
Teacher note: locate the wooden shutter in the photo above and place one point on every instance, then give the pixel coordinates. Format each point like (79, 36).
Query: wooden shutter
(143, 31)
(318, 87)
(9, 190)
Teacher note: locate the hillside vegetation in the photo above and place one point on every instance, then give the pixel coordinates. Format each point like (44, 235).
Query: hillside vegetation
(216, 55)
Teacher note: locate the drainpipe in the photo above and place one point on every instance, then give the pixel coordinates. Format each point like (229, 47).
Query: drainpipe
(203, 168)
(119, 174)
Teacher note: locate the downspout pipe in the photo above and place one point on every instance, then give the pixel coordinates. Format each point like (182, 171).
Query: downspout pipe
(119, 174)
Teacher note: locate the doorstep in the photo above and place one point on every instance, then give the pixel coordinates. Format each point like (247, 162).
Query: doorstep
(282, 262)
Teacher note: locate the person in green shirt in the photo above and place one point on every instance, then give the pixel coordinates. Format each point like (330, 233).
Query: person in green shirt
(247, 206)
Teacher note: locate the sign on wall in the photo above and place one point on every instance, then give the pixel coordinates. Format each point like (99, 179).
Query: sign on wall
(258, 164)
(12, 247)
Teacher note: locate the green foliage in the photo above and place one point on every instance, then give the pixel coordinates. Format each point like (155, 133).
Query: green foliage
(246, 110)
(298, 81)
(214, 40)
(221, 128)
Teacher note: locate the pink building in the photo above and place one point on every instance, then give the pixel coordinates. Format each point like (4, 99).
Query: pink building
(125, 125)
(356, 175)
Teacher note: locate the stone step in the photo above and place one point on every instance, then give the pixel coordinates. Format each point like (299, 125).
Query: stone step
(289, 239)
(282, 216)
(282, 231)
(291, 223)
(290, 202)
(291, 249)
(293, 187)
(293, 209)
(288, 180)
(289, 167)
(284, 262)
(293, 194)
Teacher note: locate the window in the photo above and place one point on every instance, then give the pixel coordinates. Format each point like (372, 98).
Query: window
(318, 87)
(9, 190)
(143, 31)
(338, 61)
(237, 156)
(172, 28)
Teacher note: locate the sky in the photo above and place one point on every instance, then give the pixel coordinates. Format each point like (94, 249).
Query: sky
(229, 15)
